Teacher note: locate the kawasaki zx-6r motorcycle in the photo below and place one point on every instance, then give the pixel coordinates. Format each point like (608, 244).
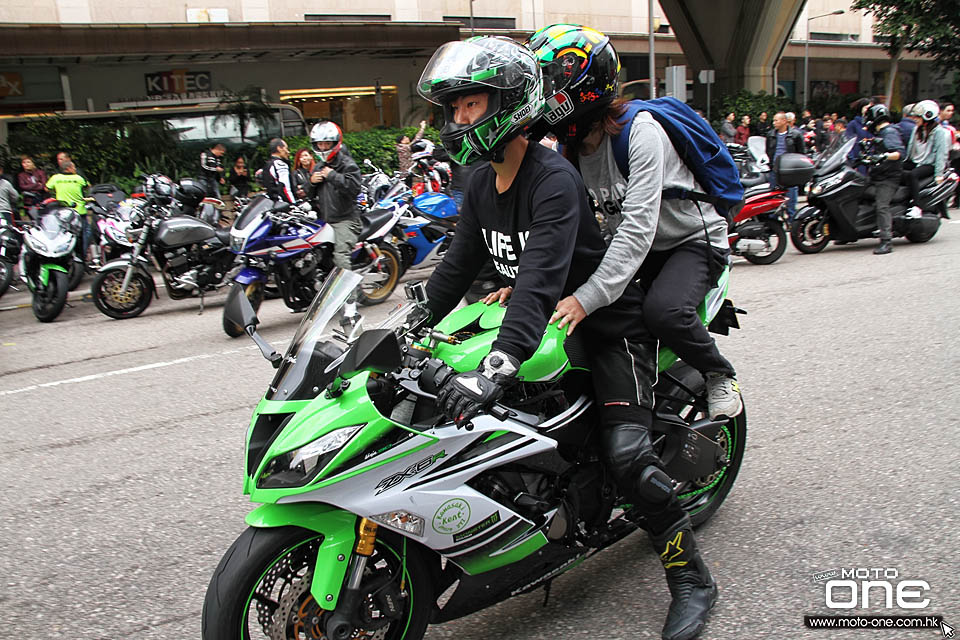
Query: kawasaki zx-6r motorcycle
(373, 505)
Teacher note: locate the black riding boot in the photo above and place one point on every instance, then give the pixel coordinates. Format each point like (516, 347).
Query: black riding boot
(692, 587)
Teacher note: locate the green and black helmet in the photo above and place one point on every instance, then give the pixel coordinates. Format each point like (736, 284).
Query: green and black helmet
(503, 69)
(580, 73)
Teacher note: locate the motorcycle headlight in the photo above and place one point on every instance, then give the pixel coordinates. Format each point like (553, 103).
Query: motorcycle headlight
(298, 467)
(133, 234)
(236, 244)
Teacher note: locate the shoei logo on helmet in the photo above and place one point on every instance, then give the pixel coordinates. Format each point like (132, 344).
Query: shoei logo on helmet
(523, 114)
(558, 107)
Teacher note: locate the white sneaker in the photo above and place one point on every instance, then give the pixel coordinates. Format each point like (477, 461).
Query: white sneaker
(723, 396)
(914, 212)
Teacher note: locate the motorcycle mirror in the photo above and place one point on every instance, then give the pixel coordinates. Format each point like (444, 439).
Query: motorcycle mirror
(240, 312)
(376, 350)
(416, 291)
(367, 162)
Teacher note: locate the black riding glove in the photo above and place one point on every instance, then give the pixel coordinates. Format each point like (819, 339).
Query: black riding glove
(465, 395)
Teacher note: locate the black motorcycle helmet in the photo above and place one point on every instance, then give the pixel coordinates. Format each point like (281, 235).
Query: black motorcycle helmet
(876, 115)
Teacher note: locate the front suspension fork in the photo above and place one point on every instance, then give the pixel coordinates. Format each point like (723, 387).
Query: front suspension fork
(341, 624)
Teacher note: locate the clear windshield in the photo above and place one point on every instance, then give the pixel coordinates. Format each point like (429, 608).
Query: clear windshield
(834, 156)
(254, 211)
(303, 372)
(53, 222)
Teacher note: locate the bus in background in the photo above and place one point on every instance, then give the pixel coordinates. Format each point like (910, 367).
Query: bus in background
(193, 123)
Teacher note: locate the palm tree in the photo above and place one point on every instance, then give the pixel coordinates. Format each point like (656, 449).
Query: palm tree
(246, 106)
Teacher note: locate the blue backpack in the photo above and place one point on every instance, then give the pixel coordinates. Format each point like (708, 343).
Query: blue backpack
(698, 146)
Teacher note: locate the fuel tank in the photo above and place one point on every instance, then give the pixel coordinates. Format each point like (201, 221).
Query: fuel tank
(182, 231)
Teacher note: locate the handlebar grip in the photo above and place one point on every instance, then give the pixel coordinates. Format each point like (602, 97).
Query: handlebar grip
(500, 413)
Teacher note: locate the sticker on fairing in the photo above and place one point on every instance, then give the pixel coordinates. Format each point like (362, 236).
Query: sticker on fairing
(452, 516)
(558, 107)
(483, 525)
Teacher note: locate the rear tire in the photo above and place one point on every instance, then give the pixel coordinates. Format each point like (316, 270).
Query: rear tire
(106, 293)
(681, 391)
(265, 570)
(386, 280)
(806, 234)
(777, 237)
(6, 276)
(254, 292)
(49, 301)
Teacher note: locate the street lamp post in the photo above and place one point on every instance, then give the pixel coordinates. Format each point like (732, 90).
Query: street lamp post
(806, 55)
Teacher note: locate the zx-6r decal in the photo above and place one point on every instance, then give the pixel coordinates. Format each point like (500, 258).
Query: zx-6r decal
(391, 481)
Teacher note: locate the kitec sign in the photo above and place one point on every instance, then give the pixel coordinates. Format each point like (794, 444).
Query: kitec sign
(177, 81)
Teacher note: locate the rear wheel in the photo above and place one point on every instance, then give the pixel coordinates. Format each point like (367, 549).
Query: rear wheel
(776, 238)
(681, 391)
(111, 300)
(380, 281)
(6, 275)
(49, 301)
(807, 232)
(254, 292)
(261, 589)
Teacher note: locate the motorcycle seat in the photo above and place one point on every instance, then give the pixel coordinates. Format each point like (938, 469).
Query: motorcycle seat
(752, 181)
(756, 189)
(449, 222)
(373, 220)
(902, 194)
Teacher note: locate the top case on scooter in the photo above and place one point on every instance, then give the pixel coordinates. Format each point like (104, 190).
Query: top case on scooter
(793, 169)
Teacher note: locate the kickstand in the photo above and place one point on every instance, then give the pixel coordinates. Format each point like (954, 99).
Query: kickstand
(201, 304)
(546, 593)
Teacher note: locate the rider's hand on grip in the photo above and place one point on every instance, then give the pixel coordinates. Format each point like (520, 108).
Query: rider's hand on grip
(465, 395)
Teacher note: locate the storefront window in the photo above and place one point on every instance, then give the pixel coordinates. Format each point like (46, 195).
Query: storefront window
(353, 108)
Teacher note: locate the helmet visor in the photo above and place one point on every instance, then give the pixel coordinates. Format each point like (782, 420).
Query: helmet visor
(461, 66)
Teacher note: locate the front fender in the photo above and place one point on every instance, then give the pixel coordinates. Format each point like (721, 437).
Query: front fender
(46, 268)
(248, 275)
(339, 529)
(124, 261)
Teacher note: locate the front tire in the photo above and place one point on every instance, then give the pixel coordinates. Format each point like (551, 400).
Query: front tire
(76, 273)
(776, 242)
(806, 232)
(108, 299)
(269, 570)
(385, 280)
(254, 292)
(681, 391)
(49, 301)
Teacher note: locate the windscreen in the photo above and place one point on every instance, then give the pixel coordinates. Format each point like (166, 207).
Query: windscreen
(834, 156)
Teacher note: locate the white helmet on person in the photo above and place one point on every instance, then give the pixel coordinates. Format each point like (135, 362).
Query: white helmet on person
(927, 110)
(326, 131)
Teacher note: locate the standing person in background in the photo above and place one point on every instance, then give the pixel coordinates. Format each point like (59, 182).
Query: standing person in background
(839, 130)
(303, 164)
(907, 122)
(239, 178)
(953, 156)
(791, 119)
(275, 175)
(32, 182)
(728, 130)
(856, 130)
(782, 139)
(743, 131)
(762, 125)
(403, 147)
(68, 187)
(211, 169)
(62, 158)
(9, 199)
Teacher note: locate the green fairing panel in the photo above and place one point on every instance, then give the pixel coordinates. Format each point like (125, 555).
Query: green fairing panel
(547, 362)
(339, 529)
(352, 408)
(481, 562)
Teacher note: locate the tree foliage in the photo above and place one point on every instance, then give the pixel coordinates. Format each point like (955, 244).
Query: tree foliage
(930, 27)
(245, 106)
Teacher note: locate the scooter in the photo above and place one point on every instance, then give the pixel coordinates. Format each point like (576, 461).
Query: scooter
(842, 208)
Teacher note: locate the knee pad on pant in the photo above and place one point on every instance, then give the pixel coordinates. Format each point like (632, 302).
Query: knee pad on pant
(628, 451)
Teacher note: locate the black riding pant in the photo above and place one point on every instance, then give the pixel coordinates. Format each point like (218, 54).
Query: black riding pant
(676, 282)
(916, 174)
(884, 196)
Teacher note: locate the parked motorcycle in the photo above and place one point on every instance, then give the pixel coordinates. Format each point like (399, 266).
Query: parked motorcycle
(49, 248)
(289, 242)
(427, 224)
(758, 232)
(374, 185)
(111, 208)
(842, 208)
(373, 505)
(11, 242)
(192, 256)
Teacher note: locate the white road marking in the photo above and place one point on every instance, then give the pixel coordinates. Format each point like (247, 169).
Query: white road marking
(121, 372)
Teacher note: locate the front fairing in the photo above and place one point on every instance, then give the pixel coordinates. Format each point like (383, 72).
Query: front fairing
(54, 234)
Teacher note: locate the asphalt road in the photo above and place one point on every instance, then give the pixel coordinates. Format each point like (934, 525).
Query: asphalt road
(122, 446)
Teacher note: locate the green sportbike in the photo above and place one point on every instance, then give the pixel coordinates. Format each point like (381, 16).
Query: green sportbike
(378, 516)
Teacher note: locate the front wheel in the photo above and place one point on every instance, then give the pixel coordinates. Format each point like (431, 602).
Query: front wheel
(776, 239)
(49, 301)
(254, 292)
(76, 273)
(380, 282)
(681, 391)
(112, 301)
(808, 233)
(261, 589)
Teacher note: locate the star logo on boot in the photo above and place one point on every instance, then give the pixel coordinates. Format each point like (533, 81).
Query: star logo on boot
(673, 550)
